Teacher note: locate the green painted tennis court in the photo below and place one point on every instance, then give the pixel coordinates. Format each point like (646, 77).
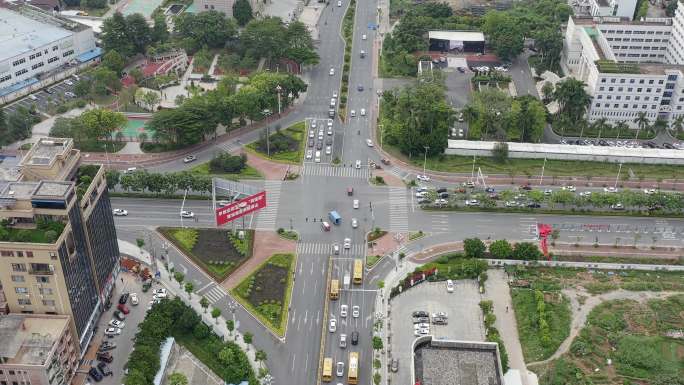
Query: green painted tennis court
(144, 7)
(133, 128)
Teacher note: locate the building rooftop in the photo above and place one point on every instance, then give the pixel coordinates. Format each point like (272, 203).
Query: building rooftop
(28, 339)
(594, 20)
(52, 189)
(20, 34)
(45, 150)
(19, 190)
(456, 35)
(439, 362)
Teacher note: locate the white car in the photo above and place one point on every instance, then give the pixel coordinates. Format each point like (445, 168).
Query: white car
(328, 150)
(421, 326)
(112, 331)
(343, 340)
(69, 82)
(189, 158)
(330, 130)
(117, 324)
(330, 122)
(355, 311)
(336, 248)
(441, 201)
(70, 94)
(332, 71)
(120, 212)
(369, 143)
(160, 292)
(450, 286)
(354, 223)
(187, 214)
(585, 193)
(334, 96)
(357, 164)
(649, 191)
(333, 325)
(134, 299)
(472, 202)
(421, 194)
(343, 311)
(363, 112)
(610, 189)
(309, 154)
(353, 113)
(423, 178)
(158, 297)
(33, 97)
(440, 314)
(548, 192)
(311, 134)
(339, 3)
(347, 243)
(313, 123)
(570, 188)
(340, 369)
(355, 203)
(364, 37)
(421, 332)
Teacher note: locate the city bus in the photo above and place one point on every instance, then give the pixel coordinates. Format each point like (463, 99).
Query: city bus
(327, 369)
(353, 371)
(334, 289)
(358, 271)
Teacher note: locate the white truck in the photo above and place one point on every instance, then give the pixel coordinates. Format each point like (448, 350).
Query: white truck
(347, 280)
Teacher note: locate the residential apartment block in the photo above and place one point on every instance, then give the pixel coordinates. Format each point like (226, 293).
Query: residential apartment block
(629, 67)
(37, 350)
(33, 42)
(58, 245)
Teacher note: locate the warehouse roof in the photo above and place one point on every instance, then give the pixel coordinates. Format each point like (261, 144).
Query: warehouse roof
(20, 34)
(457, 35)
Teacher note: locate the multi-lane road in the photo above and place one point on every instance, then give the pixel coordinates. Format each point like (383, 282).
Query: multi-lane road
(303, 203)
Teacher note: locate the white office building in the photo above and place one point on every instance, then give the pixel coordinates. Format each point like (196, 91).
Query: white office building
(628, 67)
(33, 43)
(602, 8)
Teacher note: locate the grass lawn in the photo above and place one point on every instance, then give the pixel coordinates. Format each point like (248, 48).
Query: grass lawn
(288, 234)
(527, 167)
(414, 236)
(557, 316)
(597, 281)
(371, 260)
(218, 252)
(266, 292)
(634, 336)
(292, 139)
(376, 234)
(246, 173)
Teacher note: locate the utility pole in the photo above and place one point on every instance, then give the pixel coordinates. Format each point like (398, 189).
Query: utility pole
(541, 178)
(425, 159)
(278, 89)
(618, 176)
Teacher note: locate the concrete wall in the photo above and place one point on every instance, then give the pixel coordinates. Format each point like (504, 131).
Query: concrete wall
(569, 152)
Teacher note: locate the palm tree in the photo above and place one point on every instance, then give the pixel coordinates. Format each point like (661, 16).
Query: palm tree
(621, 125)
(599, 125)
(659, 126)
(642, 122)
(572, 98)
(678, 124)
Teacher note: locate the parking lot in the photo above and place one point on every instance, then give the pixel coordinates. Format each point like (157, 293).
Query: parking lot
(56, 95)
(124, 342)
(463, 316)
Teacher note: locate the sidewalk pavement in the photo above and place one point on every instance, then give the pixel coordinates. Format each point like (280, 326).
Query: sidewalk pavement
(497, 290)
(219, 325)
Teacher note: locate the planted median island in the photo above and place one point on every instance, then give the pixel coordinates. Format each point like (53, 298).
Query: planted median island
(218, 252)
(266, 292)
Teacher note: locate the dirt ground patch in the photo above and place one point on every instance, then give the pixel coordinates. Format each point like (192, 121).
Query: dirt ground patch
(266, 243)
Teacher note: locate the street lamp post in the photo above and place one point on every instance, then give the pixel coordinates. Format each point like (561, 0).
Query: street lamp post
(541, 178)
(278, 89)
(618, 176)
(425, 159)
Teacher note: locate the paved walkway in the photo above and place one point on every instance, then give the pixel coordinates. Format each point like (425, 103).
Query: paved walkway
(269, 169)
(266, 243)
(497, 290)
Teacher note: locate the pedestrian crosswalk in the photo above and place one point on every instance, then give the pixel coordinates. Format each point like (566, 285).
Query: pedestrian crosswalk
(312, 248)
(229, 146)
(339, 171)
(398, 209)
(528, 229)
(440, 222)
(266, 219)
(214, 294)
(399, 173)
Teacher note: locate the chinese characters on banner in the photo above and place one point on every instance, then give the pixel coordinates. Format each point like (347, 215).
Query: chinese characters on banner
(240, 208)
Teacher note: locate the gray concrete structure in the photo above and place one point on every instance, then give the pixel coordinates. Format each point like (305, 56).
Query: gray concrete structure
(566, 152)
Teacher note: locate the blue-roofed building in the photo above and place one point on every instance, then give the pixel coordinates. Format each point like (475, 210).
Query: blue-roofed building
(33, 42)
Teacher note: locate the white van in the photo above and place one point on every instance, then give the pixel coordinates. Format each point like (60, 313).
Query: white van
(318, 157)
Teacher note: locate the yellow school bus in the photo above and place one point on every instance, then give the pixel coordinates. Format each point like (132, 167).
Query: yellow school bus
(358, 271)
(353, 372)
(327, 369)
(334, 289)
